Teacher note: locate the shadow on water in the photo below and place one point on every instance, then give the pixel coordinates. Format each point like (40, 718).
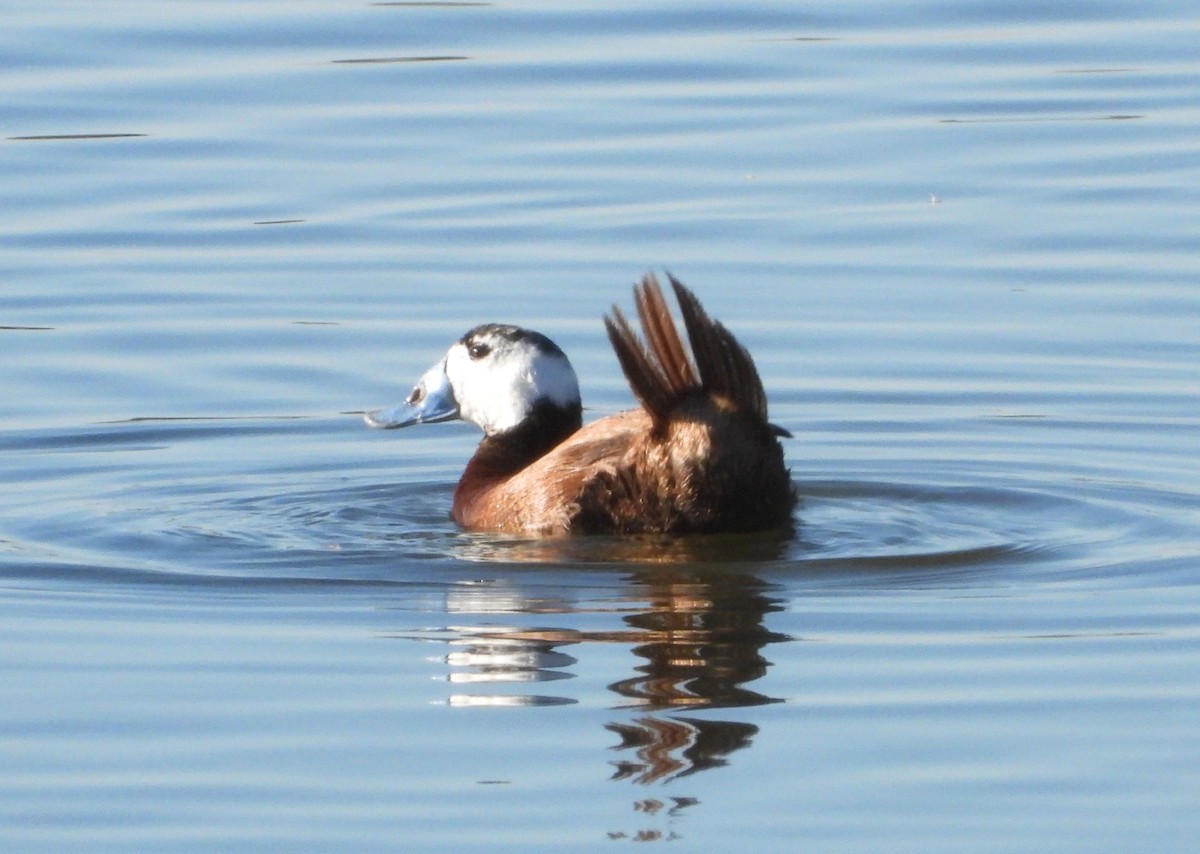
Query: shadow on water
(645, 549)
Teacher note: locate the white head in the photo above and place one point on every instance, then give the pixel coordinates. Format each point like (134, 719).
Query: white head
(493, 377)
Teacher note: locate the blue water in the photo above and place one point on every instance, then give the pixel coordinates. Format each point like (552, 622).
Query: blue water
(960, 241)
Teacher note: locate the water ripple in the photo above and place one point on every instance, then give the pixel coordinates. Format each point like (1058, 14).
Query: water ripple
(349, 527)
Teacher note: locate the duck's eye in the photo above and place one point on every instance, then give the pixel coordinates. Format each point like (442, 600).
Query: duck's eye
(478, 350)
(415, 396)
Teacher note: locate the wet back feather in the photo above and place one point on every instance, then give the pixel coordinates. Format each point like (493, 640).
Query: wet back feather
(661, 370)
(713, 461)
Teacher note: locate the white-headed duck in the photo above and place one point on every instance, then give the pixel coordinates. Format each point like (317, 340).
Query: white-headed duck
(699, 455)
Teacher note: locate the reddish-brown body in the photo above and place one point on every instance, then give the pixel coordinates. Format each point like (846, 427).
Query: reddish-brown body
(711, 471)
(699, 456)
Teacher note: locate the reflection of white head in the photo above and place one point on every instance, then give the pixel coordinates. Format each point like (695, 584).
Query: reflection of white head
(498, 373)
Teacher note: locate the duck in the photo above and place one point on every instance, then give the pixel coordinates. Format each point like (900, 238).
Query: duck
(697, 455)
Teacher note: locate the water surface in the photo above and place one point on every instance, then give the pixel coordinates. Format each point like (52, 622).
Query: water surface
(960, 242)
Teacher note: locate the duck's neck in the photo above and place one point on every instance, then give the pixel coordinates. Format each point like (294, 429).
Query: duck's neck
(504, 454)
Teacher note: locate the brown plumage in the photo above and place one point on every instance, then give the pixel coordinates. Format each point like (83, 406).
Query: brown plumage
(698, 456)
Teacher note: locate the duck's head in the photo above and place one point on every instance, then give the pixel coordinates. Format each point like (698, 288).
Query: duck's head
(495, 376)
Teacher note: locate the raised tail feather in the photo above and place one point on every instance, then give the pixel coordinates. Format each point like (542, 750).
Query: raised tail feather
(664, 370)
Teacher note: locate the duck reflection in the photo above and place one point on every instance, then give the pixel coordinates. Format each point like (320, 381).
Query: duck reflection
(702, 638)
(507, 656)
(699, 635)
